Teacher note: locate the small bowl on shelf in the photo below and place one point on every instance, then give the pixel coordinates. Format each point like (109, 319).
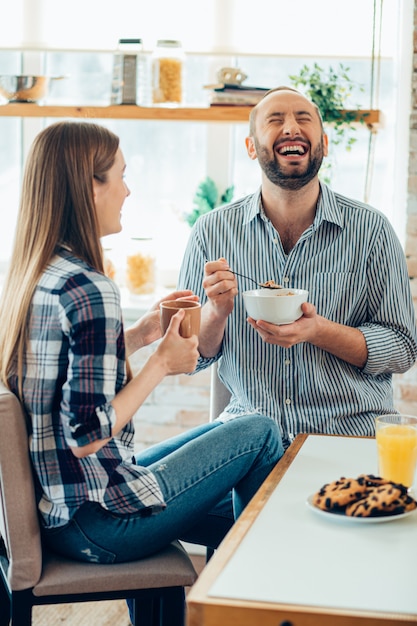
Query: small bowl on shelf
(278, 306)
(25, 88)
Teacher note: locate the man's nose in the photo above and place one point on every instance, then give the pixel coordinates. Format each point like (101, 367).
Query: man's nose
(291, 127)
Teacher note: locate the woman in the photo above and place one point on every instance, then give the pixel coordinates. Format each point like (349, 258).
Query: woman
(63, 353)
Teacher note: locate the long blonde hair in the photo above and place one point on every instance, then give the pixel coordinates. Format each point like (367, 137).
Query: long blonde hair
(56, 208)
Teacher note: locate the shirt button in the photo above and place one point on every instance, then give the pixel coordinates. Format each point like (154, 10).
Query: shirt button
(287, 401)
(275, 240)
(287, 361)
(286, 279)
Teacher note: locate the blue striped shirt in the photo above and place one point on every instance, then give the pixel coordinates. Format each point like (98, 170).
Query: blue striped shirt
(353, 266)
(74, 366)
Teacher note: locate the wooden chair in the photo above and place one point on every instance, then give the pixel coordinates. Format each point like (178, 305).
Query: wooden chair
(30, 575)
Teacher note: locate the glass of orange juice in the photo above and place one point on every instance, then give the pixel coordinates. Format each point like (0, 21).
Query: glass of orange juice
(396, 440)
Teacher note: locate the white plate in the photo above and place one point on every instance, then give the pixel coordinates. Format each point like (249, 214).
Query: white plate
(341, 517)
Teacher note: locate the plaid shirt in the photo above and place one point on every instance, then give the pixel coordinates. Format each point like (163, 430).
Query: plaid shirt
(74, 366)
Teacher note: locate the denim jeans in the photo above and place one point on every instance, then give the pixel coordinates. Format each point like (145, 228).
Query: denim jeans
(196, 472)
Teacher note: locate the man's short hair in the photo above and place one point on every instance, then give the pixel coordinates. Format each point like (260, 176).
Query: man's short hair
(253, 113)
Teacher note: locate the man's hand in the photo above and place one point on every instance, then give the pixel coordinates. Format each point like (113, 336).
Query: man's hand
(344, 342)
(220, 286)
(287, 335)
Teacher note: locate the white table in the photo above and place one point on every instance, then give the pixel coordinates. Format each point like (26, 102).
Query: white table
(283, 564)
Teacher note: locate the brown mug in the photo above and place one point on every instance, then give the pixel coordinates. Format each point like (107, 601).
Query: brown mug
(190, 325)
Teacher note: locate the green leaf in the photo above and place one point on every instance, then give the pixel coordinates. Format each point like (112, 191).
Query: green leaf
(206, 193)
(206, 198)
(331, 91)
(227, 196)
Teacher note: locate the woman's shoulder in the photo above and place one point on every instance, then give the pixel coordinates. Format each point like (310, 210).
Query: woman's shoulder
(70, 277)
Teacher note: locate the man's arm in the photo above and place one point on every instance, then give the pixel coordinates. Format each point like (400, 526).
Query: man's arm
(385, 342)
(221, 288)
(344, 342)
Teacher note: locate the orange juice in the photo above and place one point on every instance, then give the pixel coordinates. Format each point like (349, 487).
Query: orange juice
(397, 452)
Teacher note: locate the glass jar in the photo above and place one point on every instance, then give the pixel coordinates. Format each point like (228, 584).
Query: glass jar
(129, 73)
(167, 72)
(141, 266)
(109, 266)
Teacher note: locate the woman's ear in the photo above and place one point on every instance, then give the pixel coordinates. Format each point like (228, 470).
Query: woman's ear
(96, 186)
(250, 147)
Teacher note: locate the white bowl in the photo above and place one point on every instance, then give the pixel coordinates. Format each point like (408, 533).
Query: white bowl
(277, 306)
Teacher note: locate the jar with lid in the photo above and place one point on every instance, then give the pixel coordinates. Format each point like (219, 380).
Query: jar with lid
(129, 73)
(168, 61)
(141, 266)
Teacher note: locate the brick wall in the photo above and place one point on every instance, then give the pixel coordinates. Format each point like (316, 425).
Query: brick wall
(176, 405)
(405, 385)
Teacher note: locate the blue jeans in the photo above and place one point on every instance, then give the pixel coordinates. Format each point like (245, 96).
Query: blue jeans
(196, 472)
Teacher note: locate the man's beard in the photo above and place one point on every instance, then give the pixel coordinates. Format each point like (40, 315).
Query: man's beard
(279, 177)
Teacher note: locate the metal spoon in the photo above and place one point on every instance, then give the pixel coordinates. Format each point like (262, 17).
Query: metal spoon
(267, 285)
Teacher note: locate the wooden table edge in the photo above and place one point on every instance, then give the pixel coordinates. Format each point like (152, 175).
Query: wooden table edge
(243, 524)
(198, 600)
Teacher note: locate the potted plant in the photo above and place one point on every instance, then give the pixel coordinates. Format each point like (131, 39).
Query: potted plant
(207, 198)
(331, 90)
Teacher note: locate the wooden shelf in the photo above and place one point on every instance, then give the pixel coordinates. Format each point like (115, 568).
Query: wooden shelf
(216, 113)
(131, 112)
(372, 118)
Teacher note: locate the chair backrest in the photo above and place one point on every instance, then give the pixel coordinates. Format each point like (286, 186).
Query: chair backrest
(19, 524)
(219, 395)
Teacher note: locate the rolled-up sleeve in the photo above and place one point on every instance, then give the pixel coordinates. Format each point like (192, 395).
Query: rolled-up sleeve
(391, 333)
(91, 320)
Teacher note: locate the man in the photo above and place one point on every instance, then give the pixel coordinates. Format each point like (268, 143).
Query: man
(331, 370)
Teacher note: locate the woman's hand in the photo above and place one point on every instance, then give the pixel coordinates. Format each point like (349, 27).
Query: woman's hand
(147, 328)
(174, 355)
(178, 355)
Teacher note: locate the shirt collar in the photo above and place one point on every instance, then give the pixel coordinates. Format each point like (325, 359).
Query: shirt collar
(253, 206)
(327, 207)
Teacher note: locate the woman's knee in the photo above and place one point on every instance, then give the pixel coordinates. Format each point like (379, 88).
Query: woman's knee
(257, 427)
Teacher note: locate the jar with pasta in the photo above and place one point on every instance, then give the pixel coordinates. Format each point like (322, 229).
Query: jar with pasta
(141, 267)
(168, 72)
(108, 264)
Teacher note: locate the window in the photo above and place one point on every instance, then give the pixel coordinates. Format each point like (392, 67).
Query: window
(167, 160)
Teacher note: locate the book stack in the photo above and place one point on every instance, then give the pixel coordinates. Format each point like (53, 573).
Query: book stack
(240, 95)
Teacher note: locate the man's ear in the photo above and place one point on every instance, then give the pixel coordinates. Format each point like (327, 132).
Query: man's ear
(250, 147)
(325, 145)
